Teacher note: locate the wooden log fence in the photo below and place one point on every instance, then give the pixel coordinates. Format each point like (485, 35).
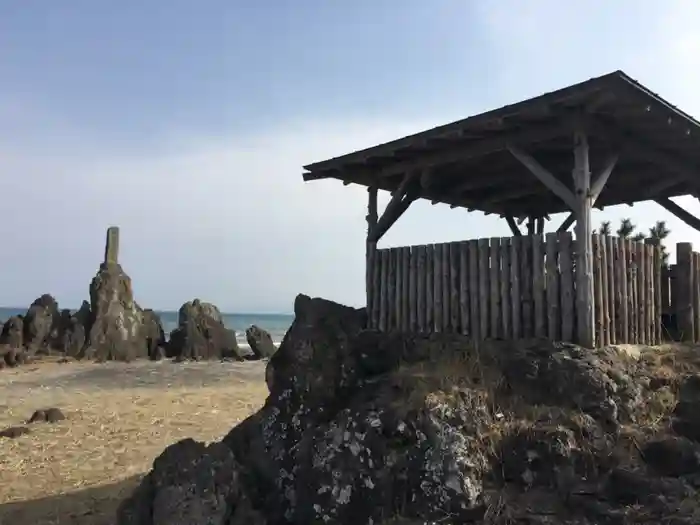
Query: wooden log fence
(522, 287)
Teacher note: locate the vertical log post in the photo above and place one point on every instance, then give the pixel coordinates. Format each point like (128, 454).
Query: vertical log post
(112, 245)
(370, 253)
(584, 260)
(684, 285)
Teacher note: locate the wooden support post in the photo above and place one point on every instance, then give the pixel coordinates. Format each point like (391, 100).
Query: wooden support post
(566, 224)
(546, 177)
(399, 203)
(370, 249)
(531, 226)
(683, 291)
(584, 259)
(688, 218)
(112, 245)
(513, 225)
(602, 178)
(539, 229)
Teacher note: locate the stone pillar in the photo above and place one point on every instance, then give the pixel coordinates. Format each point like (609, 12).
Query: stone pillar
(112, 245)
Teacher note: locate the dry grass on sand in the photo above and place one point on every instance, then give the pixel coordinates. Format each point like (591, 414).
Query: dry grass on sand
(119, 418)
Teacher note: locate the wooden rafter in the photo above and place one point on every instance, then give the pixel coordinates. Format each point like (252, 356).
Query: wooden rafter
(639, 148)
(566, 223)
(602, 178)
(478, 149)
(399, 203)
(687, 217)
(546, 177)
(513, 226)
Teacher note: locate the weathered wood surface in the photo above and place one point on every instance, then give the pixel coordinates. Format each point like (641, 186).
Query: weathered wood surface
(521, 287)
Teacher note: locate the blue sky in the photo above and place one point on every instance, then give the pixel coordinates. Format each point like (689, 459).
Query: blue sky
(187, 123)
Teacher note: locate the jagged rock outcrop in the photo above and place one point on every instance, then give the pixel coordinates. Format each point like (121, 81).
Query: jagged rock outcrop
(116, 323)
(201, 334)
(364, 427)
(42, 325)
(155, 336)
(260, 342)
(12, 333)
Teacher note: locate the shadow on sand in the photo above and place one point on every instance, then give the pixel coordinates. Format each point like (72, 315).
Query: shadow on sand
(92, 506)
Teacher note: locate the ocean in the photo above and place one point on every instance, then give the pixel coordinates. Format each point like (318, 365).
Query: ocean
(275, 324)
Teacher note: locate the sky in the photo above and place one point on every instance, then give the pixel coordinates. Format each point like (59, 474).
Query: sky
(187, 125)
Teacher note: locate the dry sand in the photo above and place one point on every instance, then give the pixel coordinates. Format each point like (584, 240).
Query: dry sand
(119, 418)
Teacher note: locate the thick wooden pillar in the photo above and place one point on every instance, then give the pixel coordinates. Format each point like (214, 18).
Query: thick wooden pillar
(584, 245)
(371, 246)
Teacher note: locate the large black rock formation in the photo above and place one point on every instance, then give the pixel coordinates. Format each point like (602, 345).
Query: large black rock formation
(363, 427)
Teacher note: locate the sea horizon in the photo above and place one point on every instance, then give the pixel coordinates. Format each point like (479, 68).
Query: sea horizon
(275, 324)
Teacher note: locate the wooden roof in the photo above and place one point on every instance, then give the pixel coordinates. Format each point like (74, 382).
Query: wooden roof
(468, 164)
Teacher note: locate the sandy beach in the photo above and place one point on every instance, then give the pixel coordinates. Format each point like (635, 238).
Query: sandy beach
(119, 417)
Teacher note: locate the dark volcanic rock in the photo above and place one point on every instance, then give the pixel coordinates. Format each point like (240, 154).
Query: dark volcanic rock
(14, 432)
(12, 356)
(189, 481)
(47, 415)
(74, 337)
(117, 331)
(364, 427)
(13, 332)
(155, 336)
(42, 324)
(260, 342)
(201, 334)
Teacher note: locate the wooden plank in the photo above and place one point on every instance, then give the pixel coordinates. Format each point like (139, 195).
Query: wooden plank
(642, 293)
(658, 295)
(369, 276)
(623, 305)
(437, 288)
(696, 296)
(617, 286)
(653, 292)
(552, 284)
(446, 292)
(603, 250)
(495, 287)
(597, 290)
(419, 252)
(412, 290)
(632, 290)
(391, 292)
(474, 304)
(484, 288)
(384, 291)
(611, 258)
(405, 291)
(526, 286)
(454, 288)
(504, 280)
(429, 288)
(566, 286)
(665, 289)
(649, 298)
(538, 286)
(398, 289)
(464, 287)
(515, 298)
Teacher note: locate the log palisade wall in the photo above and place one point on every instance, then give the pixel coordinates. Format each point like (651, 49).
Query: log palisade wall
(518, 287)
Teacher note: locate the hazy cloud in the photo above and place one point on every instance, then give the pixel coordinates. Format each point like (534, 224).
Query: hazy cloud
(226, 217)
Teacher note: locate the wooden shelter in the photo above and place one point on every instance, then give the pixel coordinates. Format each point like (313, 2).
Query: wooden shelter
(603, 142)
